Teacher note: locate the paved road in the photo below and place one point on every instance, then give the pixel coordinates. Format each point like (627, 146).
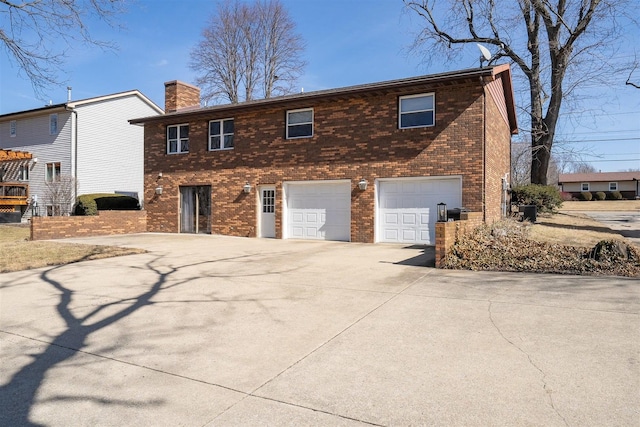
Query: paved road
(223, 331)
(627, 223)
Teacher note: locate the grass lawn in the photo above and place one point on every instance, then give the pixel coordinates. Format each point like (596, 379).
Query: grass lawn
(602, 205)
(571, 228)
(17, 252)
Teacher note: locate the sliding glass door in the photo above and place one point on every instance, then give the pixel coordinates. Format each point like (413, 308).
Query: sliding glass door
(195, 209)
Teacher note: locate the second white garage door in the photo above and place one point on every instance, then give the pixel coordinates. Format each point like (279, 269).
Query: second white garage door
(407, 208)
(318, 210)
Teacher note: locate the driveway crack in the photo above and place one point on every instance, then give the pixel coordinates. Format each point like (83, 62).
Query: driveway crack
(545, 386)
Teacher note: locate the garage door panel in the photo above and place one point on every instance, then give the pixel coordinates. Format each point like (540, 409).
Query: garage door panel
(320, 211)
(407, 208)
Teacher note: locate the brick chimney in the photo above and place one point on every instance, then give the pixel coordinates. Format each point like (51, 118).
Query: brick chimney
(179, 95)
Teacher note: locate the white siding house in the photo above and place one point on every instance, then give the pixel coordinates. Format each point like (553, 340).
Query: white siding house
(90, 140)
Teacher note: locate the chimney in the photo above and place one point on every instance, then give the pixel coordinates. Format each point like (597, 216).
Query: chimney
(69, 93)
(179, 95)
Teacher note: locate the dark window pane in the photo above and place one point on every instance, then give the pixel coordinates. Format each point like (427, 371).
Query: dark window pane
(172, 132)
(173, 146)
(184, 145)
(184, 131)
(214, 128)
(228, 126)
(300, 130)
(215, 143)
(228, 141)
(416, 119)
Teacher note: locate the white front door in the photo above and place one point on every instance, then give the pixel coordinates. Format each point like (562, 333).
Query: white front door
(407, 210)
(267, 212)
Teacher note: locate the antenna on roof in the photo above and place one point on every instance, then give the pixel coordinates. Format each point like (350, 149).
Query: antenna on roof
(485, 54)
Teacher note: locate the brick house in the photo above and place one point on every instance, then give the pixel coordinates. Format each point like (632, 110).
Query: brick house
(365, 163)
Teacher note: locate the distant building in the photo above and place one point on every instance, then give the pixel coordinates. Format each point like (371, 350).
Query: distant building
(626, 183)
(90, 140)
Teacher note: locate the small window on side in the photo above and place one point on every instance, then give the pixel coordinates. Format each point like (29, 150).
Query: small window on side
(613, 186)
(12, 128)
(300, 123)
(416, 111)
(53, 124)
(585, 186)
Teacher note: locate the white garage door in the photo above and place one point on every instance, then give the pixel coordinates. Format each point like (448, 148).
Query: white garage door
(407, 209)
(320, 211)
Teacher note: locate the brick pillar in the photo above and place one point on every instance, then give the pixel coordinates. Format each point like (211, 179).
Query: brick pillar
(179, 95)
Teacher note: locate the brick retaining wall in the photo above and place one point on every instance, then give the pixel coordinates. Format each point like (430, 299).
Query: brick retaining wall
(448, 232)
(103, 224)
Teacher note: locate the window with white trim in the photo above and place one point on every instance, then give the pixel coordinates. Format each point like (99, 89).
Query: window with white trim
(178, 139)
(300, 123)
(53, 124)
(585, 186)
(23, 173)
(221, 134)
(12, 128)
(52, 172)
(613, 186)
(54, 210)
(416, 111)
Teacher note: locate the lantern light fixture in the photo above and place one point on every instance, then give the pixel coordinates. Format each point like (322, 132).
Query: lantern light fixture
(247, 187)
(362, 185)
(442, 212)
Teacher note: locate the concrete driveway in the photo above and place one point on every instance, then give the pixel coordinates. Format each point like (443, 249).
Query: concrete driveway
(223, 331)
(626, 223)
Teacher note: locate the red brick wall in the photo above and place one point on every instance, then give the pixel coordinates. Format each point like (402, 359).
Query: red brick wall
(103, 224)
(497, 157)
(179, 95)
(447, 233)
(354, 138)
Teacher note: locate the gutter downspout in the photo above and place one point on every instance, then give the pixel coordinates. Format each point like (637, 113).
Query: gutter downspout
(74, 148)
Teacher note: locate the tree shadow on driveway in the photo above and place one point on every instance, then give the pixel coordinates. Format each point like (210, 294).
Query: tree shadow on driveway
(19, 394)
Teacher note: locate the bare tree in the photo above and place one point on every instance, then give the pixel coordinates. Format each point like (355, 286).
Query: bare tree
(36, 34)
(246, 47)
(520, 163)
(60, 194)
(582, 167)
(557, 47)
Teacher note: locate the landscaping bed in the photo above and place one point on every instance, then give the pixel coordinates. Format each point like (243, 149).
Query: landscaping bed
(561, 243)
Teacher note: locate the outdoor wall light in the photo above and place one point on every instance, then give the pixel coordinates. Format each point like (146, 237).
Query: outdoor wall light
(34, 160)
(442, 212)
(362, 184)
(159, 190)
(247, 187)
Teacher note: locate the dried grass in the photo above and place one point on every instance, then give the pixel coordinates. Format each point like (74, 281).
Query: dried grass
(18, 253)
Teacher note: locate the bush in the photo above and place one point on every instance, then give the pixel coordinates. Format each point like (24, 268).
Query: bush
(600, 195)
(566, 197)
(90, 204)
(585, 196)
(615, 195)
(545, 197)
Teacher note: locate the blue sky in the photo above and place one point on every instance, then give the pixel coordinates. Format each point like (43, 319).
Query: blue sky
(348, 42)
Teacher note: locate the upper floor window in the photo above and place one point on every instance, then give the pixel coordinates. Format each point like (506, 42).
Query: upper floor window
(613, 186)
(221, 134)
(300, 123)
(585, 186)
(53, 172)
(23, 173)
(53, 124)
(178, 139)
(416, 111)
(12, 128)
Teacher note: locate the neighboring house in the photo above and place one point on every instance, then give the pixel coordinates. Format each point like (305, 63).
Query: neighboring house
(90, 140)
(626, 183)
(366, 163)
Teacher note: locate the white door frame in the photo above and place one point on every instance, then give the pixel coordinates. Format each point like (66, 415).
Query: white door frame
(262, 232)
